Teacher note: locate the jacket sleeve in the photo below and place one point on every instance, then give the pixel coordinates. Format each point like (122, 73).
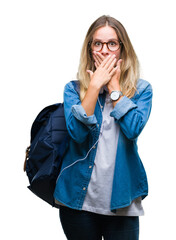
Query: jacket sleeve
(132, 116)
(78, 123)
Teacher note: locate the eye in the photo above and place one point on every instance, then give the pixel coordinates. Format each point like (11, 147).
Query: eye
(112, 43)
(97, 44)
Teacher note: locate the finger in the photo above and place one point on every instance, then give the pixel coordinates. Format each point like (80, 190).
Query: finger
(107, 61)
(96, 65)
(100, 57)
(111, 63)
(96, 59)
(119, 63)
(90, 73)
(113, 71)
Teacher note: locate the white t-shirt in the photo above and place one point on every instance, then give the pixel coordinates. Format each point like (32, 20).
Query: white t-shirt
(98, 196)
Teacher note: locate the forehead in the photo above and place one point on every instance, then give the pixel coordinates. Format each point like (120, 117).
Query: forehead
(105, 33)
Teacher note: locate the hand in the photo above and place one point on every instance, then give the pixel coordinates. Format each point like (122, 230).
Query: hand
(98, 57)
(104, 72)
(114, 84)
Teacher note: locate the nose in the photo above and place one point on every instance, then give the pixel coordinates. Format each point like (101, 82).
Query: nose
(105, 50)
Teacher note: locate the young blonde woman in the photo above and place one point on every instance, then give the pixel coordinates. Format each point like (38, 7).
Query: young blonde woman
(102, 181)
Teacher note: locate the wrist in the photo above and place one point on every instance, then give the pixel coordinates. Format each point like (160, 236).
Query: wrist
(113, 88)
(115, 102)
(95, 86)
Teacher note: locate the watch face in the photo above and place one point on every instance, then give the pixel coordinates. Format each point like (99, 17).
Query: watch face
(115, 95)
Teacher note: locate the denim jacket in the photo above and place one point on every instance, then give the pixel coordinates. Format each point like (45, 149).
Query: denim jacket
(129, 177)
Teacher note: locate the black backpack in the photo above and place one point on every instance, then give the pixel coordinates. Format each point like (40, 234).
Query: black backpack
(49, 142)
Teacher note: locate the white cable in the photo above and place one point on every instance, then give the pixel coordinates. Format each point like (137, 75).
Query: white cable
(77, 160)
(82, 158)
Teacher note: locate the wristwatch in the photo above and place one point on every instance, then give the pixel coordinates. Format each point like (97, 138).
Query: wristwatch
(115, 95)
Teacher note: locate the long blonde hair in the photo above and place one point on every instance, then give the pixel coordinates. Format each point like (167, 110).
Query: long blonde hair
(129, 66)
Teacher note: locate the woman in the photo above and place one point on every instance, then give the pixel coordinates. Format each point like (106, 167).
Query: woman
(102, 181)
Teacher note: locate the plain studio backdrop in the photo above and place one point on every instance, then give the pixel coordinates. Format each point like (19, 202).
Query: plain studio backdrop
(40, 46)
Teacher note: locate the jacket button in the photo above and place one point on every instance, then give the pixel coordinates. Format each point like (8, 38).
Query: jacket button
(84, 188)
(94, 146)
(90, 166)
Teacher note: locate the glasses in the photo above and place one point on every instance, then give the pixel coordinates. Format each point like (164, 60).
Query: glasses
(112, 45)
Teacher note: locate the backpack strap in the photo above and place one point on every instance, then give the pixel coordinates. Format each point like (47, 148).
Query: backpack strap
(26, 158)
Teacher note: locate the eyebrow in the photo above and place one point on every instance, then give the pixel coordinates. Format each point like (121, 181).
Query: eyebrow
(111, 39)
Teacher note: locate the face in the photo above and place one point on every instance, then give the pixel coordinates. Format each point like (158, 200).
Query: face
(106, 34)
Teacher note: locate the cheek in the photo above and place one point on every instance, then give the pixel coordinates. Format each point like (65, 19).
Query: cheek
(117, 54)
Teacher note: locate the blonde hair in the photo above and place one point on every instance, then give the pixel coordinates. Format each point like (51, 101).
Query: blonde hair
(130, 63)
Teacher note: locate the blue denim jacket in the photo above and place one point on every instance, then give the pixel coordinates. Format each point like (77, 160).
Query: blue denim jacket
(130, 180)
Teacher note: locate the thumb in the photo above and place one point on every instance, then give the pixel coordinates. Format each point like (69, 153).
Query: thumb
(90, 73)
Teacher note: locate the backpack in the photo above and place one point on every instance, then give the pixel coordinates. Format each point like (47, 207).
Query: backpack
(48, 144)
